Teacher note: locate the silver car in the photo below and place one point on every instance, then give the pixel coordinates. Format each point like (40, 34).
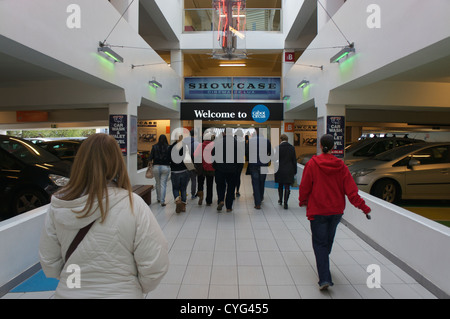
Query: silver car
(416, 171)
(367, 148)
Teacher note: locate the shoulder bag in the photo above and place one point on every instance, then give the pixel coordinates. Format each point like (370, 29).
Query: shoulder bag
(78, 238)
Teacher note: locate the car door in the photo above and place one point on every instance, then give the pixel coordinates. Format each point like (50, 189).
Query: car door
(430, 179)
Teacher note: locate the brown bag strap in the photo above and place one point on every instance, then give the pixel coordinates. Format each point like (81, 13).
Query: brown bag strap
(78, 238)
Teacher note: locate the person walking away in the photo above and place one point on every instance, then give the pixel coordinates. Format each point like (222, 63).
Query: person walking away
(258, 152)
(225, 152)
(179, 174)
(208, 170)
(124, 253)
(326, 180)
(161, 167)
(240, 159)
(286, 168)
(192, 143)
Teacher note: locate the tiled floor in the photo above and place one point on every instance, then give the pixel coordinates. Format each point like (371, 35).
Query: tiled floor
(263, 253)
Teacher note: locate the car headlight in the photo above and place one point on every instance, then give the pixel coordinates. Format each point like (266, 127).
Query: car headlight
(362, 172)
(58, 180)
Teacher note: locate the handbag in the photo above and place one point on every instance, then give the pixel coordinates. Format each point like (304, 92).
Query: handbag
(78, 238)
(149, 172)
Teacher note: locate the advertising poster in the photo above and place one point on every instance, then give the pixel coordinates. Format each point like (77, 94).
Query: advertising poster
(118, 129)
(336, 127)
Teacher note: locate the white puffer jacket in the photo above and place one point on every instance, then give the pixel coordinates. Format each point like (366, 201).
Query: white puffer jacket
(123, 257)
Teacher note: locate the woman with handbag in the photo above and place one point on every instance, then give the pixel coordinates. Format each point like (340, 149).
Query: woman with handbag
(160, 158)
(124, 254)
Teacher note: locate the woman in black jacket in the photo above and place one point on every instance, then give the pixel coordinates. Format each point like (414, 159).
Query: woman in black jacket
(160, 156)
(287, 168)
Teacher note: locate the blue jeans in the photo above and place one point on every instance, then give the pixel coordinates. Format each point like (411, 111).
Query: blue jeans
(323, 229)
(161, 173)
(258, 181)
(179, 184)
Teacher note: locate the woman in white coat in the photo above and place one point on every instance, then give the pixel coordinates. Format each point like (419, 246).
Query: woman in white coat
(124, 254)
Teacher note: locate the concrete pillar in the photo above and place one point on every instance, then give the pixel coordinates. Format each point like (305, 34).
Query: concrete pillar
(123, 126)
(331, 120)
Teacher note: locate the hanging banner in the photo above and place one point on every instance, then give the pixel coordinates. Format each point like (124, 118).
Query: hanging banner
(232, 88)
(336, 127)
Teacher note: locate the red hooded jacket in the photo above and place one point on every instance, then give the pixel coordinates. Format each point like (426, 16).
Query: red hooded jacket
(325, 182)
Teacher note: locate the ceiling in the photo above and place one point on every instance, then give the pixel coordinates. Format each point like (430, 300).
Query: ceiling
(13, 70)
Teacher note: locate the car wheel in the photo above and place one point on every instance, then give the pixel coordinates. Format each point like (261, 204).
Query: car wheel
(387, 190)
(28, 199)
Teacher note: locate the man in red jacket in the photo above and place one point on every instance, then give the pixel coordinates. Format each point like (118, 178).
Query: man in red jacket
(325, 182)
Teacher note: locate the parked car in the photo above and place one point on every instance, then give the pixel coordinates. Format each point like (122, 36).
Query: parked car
(64, 149)
(416, 171)
(29, 175)
(368, 148)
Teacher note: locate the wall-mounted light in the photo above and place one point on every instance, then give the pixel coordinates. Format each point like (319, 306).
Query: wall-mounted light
(302, 84)
(343, 53)
(109, 52)
(176, 97)
(155, 84)
(286, 97)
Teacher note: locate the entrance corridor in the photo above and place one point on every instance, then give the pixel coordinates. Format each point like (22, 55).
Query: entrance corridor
(258, 254)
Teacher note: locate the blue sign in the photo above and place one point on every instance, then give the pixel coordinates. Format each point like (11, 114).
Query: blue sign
(260, 113)
(232, 88)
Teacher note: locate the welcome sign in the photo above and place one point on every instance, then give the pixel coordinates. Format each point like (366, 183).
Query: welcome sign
(258, 112)
(232, 88)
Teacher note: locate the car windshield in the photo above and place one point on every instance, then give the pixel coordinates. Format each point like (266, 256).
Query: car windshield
(397, 152)
(27, 151)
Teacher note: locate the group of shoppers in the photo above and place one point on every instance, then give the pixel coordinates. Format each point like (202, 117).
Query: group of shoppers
(124, 253)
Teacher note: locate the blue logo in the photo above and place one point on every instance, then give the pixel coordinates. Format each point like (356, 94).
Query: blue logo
(260, 113)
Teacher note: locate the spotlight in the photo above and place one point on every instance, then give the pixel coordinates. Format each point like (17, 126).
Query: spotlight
(343, 53)
(155, 84)
(109, 52)
(303, 84)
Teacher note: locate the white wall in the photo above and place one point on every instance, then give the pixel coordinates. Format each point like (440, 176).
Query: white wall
(19, 243)
(407, 28)
(420, 244)
(41, 36)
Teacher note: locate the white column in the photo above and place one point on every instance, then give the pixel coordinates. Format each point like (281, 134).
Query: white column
(331, 120)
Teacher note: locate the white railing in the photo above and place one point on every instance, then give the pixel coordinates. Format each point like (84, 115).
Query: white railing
(420, 246)
(19, 243)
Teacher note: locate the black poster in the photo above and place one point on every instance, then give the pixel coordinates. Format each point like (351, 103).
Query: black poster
(336, 127)
(118, 129)
(258, 112)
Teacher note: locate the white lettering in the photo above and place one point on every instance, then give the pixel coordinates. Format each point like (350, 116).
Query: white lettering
(74, 19)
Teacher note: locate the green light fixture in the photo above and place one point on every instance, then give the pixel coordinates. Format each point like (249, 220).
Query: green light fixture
(155, 84)
(109, 52)
(302, 84)
(343, 53)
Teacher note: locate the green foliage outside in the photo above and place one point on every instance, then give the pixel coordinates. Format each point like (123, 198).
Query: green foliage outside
(52, 133)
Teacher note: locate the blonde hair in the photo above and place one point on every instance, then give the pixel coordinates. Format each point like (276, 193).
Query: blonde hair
(98, 163)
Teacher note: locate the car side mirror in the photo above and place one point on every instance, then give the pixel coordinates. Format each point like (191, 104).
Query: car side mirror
(413, 162)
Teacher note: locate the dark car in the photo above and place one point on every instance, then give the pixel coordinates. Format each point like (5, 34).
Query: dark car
(64, 149)
(29, 175)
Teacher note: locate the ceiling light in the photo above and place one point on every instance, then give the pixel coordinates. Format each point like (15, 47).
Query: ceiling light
(232, 64)
(110, 53)
(343, 53)
(155, 84)
(302, 84)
